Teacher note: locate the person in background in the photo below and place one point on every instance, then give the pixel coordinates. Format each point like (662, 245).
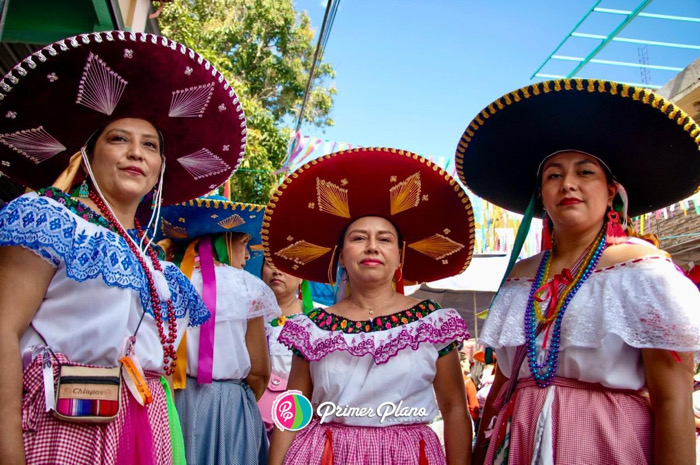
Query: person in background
(596, 334)
(287, 289)
(472, 401)
(227, 364)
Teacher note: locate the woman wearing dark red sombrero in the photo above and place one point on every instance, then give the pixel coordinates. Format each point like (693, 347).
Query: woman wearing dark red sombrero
(595, 335)
(380, 215)
(149, 121)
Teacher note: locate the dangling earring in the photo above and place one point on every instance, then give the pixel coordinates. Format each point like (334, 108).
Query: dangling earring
(614, 233)
(398, 280)
(84, 191)
(547, 233)
(154, 202)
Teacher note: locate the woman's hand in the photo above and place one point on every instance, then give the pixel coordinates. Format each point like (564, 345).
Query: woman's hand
(452, 400)
(487, 415)
(24, 279)
(256, 343)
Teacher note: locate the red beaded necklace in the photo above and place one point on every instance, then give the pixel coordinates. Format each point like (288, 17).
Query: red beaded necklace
(169, 354)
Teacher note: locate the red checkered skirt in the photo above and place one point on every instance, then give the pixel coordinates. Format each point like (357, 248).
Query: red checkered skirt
(48, 440)
(591, 424)
(359, 445)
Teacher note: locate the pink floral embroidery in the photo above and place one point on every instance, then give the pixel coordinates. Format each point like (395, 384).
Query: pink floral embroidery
(296, 334)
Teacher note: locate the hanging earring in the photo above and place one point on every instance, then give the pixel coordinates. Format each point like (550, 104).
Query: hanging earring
(154, 202)
(614, 233)
(84, 191)
(398, 280)
(547, 233)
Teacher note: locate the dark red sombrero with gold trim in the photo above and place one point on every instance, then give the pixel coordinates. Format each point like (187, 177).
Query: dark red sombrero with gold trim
(651, 146)
(53, 100)
(309, 211)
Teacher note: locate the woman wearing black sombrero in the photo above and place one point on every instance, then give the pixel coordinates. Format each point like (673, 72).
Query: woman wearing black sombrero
(595, 335)
(376, 349)
(85, 301)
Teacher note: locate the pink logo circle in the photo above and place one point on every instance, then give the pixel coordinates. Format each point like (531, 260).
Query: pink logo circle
(292, 411)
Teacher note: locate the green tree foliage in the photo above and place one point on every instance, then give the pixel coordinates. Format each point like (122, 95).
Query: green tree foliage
(265, 49)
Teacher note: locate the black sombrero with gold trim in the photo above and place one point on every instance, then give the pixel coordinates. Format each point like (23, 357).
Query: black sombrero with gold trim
(309, 211)
(52, 101)
(651, 145)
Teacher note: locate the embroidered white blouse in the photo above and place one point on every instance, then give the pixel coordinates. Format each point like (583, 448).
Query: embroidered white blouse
(644, 303)
(379, 364)
(240, 297)
(280, 355)
(99, 290)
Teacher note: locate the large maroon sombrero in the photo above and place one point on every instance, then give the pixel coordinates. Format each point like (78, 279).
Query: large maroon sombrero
(53, 100)
(309, 211)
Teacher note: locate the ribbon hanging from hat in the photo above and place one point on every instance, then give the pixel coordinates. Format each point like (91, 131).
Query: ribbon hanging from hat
(187, 268)
(206, 334)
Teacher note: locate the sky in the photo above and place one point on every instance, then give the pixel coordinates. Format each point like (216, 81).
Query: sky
(411, 74)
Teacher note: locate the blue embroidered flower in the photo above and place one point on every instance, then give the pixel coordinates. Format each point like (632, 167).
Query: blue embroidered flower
(91, 254)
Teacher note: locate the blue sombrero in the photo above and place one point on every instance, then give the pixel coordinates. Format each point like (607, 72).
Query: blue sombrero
(254, 264)
(211, 215)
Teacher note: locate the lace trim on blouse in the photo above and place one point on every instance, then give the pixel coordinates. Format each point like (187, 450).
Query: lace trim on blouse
(309, 340)
(647, 302)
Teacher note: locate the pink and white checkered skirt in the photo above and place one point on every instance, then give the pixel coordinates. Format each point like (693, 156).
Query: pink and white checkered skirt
(590, 424)
(48, 440)
(355, 445)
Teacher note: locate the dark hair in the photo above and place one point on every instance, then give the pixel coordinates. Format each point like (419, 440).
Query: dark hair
(92, 141)
(609, 177)
(218, 242)
(341, 239)
(262, 266)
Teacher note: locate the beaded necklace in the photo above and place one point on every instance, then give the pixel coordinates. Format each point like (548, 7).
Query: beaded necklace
(550, 291)
(544, 372)
(169, 354)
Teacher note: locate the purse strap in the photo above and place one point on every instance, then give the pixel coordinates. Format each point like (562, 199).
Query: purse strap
(48, 346)
(518, 359)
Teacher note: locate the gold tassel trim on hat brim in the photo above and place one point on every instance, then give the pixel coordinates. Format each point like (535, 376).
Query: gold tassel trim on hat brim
(645, 96)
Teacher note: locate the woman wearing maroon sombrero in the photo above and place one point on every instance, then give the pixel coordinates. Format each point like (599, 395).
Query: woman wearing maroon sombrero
(87, 306)
(595, 335)
(368, 219)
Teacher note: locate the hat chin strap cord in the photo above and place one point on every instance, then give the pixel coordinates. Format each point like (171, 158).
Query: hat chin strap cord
(158, 276)
(155, 211)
